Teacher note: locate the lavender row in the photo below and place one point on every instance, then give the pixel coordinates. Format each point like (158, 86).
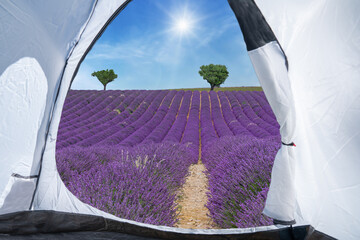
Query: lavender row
(263, 103)
(140, 134)
(76, 105)
(261, 98)
(242, 117)
(221, 127)
(239, 170)
(177, 129)
(103, 130)
(111, 113)
(258, 116)
(138, 183)
(259, 130)
(71, 96)
(259, 110)
(140, 118)
(230, 118)
(91, 110)
(101, 110)
(75, 97)
(108, 129)
(192, 129)
(84, 106)
(91, 102)
(111, 117)
(158, 134)
(208, 133)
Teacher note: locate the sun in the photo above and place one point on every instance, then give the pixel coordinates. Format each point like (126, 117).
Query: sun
(183, 25)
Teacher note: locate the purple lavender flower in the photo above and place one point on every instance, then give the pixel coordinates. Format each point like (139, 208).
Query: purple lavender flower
(128, 152)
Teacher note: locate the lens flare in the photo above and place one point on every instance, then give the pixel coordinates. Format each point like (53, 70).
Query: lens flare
(183, 25)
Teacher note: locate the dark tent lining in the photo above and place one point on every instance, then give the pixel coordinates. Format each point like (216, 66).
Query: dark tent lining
(45, 224)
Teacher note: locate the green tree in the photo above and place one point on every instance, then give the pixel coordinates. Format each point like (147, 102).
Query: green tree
(105, 76)
(214, 74)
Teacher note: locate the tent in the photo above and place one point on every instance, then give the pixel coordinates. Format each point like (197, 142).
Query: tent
(307, 57)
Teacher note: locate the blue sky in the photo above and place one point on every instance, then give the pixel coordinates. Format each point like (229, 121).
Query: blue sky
(161, 44)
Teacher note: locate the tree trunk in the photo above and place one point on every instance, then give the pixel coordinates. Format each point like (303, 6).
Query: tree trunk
(104, 86)
(212, 87)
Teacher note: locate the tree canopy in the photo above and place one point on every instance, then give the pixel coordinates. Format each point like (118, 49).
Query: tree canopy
(105, 76)
(214, 74)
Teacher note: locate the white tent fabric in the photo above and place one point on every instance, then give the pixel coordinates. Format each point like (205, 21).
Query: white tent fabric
(31, 36)
(321, 40)
(50, 184)
(42, 42)
(23, 96)
(269, 64)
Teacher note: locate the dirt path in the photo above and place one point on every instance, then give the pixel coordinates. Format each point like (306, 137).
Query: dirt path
(193, 213)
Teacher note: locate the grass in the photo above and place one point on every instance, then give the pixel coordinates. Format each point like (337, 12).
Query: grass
(222, 89)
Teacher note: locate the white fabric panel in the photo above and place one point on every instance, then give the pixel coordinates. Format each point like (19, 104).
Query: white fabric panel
(322, 42)
(23, 89)
(35, 41)
(269, 65)
(43, 35)
(52, 193)
(17, 195)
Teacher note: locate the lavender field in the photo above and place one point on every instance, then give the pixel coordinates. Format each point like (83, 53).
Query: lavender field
(128, 152)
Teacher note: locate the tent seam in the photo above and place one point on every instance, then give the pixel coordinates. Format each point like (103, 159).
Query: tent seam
(54, 103)
(118, 10)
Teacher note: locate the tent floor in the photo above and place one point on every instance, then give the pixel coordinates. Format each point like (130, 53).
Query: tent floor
(76, 235)
(60, 225)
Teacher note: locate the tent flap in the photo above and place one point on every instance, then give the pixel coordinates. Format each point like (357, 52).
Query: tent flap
(271, 66)
(315, 98)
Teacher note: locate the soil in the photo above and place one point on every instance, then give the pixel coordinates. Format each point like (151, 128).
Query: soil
(192, 200)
